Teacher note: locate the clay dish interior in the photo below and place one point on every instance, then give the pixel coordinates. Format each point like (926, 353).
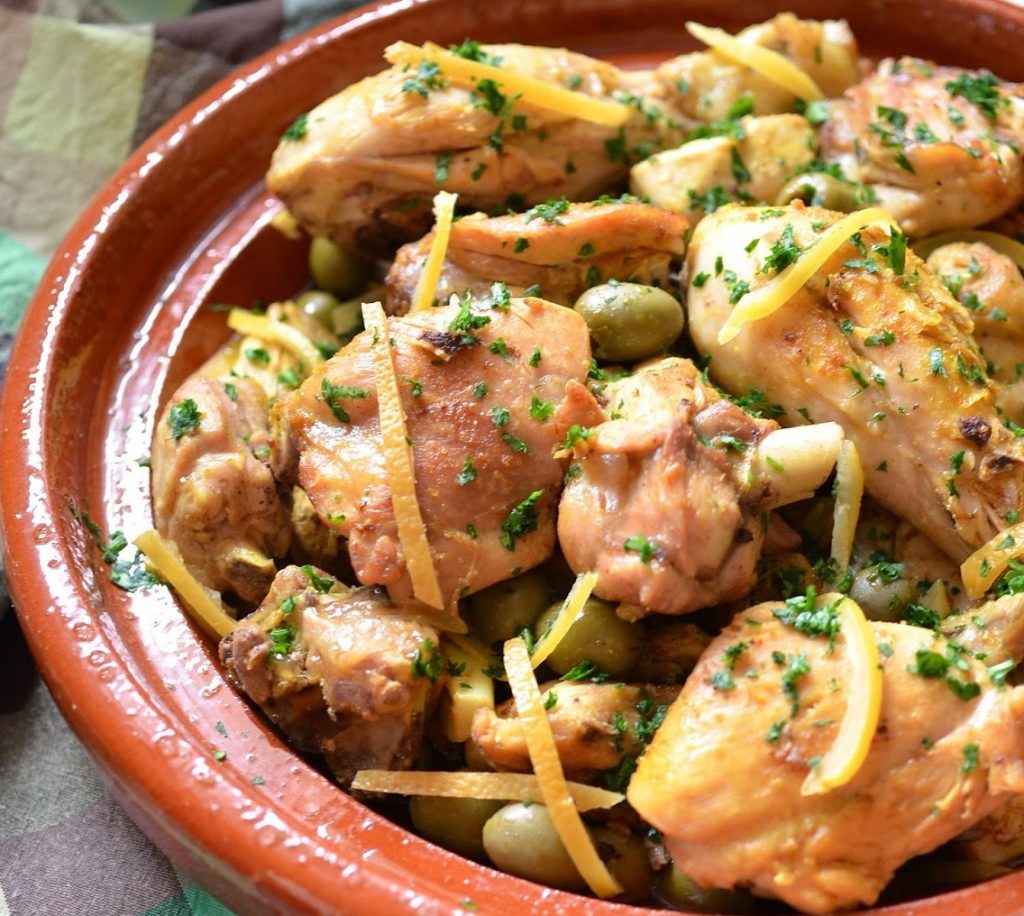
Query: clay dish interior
(121, 318)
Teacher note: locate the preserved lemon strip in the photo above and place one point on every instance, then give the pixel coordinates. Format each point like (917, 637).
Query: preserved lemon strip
(863, 703)
(512, 786)
(770, 64)
(989, 561)
(287, 225)
(849, 492)
(571, 607)
(995, 240)
(202, 607)
(426, 285)
(468, 73)
(547, 767)
(412, 533)
(469, 690)
(777, 292)
(278, 332)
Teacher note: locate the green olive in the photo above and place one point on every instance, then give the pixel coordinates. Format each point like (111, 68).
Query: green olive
(878, 597)
(628, 321)
(336, 270)
(454, 823)
(500, 611)
(820, 190)
(676, 889)
(319, 304)
(627, 860)
(521, 840)
(597, 635)
(347, 318)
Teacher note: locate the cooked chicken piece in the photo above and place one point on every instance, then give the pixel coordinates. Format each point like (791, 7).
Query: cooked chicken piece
(342, 672)
(722, 779)
(938, 145)
(994, 630)
(889, 357)
(701, 175)
(595, 725)
(213, 494)
(666, 500)
(706, 85)
(371, 157)
(568, 248)
(488, 396)
(990, 285)
(998, 838)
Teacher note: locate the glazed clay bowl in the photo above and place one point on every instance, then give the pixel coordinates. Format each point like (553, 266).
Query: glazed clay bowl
(120, 319)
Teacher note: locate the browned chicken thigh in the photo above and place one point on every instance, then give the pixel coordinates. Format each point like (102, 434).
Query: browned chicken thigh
(558, 248)
(884, 352)
(213, 494)
(939, 146)
(706, 85)
(369, 159)
(722, 779)
(488, 394)
(664, 501)
(342, 672)
(991, 286)
(595, 725)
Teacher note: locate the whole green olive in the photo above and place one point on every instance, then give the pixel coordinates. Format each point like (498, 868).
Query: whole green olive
(628, 321)
(500, 611)
(597, 635)
(820, 190)
(521, 840)
(627, 860)
(881, 598)
(454, 823)
(676, 889)
(335, 269)
(319, 304)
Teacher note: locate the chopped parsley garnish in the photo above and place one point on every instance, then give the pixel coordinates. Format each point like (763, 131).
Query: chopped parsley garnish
(798, 668)
(520, 521)
(468, 473)
(231, 391)
(920, 616)
(643, 546)
(281, 641)
(184, 419)
(936, 360)
(575, 435)
(540, 410)
(699, 280)
(970, 763)
(258, 355)
(756, 403)
(775, 731)
(884, 338)
(802, 613)
(428, 76)
(441, 163)
(480, 390)
(429, 662)
(549, 211)
(709, 200)
(535, 357)
(297, 129)
(784, 251)
(322, 584)
(334, 394)
(416, 385)
(521, 244)
(500, 348)
(739, 168)
(585, 670)
(981, 91)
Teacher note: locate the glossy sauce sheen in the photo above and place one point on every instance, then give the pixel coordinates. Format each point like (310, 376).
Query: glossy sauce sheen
(118, 323)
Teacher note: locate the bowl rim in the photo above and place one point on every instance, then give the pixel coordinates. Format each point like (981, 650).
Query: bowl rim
(47, 598)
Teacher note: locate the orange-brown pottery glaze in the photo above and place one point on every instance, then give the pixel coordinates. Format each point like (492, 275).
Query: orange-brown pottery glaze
(119, 320)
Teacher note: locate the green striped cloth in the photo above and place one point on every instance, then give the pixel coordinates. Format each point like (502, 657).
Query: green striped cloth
(82, 83)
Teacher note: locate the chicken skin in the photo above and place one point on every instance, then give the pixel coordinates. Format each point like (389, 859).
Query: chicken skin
(488, 395)
(559, 249)
(370, 159)
(991, 286)
(340, 671)
(213, 494)
(877, 344)
(595, 725)
(939, 146)
(664, 505)
(722, 779)
(706, 86)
